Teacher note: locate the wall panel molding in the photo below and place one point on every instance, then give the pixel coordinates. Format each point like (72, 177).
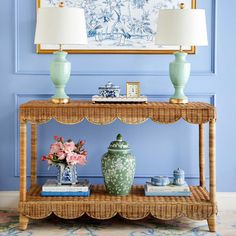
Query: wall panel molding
(210, 73)
(210, 98)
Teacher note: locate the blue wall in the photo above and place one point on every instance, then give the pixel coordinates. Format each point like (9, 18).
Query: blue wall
(158, 148)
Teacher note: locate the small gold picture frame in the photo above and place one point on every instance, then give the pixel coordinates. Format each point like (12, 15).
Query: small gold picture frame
(133, 89)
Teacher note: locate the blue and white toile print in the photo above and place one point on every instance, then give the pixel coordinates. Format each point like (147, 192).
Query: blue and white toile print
(120, 24)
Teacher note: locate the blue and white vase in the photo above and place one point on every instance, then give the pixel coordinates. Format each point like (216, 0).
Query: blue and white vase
(67, 174)
(109, 90)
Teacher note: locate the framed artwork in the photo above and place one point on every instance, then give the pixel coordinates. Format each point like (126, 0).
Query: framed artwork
(119, 26)
(133, 89)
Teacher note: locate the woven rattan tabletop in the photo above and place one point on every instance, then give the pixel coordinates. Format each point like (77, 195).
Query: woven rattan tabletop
(40, 111)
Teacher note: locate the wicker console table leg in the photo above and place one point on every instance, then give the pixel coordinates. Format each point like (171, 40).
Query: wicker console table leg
(34, 154)
(202, 156)
(212, 220)
(23, 220)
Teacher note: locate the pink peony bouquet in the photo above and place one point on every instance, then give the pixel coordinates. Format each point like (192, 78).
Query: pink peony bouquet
(67, 153)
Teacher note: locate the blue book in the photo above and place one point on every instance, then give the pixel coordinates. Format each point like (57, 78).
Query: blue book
(65, 194)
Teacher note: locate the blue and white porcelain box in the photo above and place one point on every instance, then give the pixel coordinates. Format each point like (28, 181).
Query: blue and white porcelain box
(160, 180)
(109, 90)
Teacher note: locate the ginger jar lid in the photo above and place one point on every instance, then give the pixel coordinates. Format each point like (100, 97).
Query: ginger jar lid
(178, 171)
(109, 85)
(119, 144)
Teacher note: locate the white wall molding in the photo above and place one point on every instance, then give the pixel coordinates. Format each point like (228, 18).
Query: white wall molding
(226, 200)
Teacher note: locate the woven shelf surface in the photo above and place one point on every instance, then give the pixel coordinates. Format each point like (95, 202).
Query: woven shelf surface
(101, 205)
(41, 111)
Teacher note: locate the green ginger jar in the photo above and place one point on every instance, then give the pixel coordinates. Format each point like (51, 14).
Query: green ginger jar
(118, 167)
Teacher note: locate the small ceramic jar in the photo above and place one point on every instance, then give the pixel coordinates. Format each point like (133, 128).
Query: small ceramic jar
(160, 180)
(178, 177)
(109, 90)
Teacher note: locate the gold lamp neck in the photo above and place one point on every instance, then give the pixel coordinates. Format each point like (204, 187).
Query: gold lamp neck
(60, 47)
(61, 5)
(181, 5)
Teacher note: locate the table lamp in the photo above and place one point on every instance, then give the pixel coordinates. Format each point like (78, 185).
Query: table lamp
(181, 27)
(60, 26)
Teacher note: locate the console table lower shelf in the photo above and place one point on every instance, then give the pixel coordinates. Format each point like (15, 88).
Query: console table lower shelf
(101, 205)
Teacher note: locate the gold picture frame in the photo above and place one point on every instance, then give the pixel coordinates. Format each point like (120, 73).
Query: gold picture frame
(41, 49)
(129, 86)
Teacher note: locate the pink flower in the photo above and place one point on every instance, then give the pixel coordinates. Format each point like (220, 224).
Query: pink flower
(74, 159)
(54, 148)
(69, 146)
(62, 146)
(81, 159)
(43, 158)
(50, 156)
(61, 155)
(66, 152)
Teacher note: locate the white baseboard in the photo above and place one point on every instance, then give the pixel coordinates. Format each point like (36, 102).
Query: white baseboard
(225, 200)
(9, 199)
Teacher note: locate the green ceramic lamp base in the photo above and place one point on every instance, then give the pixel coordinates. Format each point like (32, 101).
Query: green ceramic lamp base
(60, 70)
(179, 75)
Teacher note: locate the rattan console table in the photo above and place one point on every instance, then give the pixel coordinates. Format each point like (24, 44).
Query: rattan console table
(201, 205)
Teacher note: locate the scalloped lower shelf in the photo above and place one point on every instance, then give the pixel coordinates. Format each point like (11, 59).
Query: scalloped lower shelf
(101, 205)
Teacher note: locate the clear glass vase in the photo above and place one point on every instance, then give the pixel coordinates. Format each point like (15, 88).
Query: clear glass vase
(67, 174)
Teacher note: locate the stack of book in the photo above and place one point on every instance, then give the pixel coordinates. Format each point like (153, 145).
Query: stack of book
(168, 190)
(51, 188)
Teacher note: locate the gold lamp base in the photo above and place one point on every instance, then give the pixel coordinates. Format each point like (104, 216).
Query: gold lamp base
(178, 101)
(60, 100)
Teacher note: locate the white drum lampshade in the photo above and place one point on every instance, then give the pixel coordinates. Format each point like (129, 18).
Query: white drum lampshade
(60, 25)
(181, 27)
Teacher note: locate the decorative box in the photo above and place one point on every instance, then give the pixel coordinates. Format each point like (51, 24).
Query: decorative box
(160, 180)
(109, 90)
